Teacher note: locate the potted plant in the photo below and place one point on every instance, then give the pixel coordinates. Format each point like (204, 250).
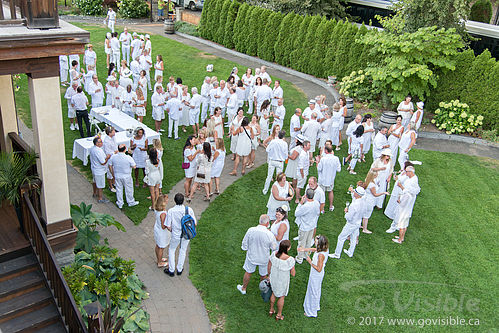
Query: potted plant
(15, 172)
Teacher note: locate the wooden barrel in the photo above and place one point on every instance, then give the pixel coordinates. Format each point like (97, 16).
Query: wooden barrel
(349, 116)
(169, 27)
(387, 119)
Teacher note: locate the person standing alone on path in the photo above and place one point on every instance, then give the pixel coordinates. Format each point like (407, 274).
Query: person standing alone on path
(174, 225)
(257, 242)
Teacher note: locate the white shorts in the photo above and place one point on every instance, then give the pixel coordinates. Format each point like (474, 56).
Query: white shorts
(250, 268)
(158, 115)
(71, 112)
(99, 180)
(327, 188)
(302, 182)
(193, 117)
(109, 174)
(140, 111)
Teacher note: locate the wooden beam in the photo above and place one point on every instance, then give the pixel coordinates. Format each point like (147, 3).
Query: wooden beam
(41, 52)
(36, 68)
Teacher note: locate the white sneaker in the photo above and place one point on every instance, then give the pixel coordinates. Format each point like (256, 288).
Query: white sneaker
(353, 172)
(77, 127)
(264, 192)
(296, 238)
(331, 208)
(390, 231)
(240, 288)
(133, 204)
(334, 256)
(347, 253)
(72, 127)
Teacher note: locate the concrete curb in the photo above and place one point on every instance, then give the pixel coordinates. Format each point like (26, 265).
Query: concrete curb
(457, 138)
(287, 70)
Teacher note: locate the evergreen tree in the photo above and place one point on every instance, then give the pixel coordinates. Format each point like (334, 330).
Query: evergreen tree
(270, 36)
(320, 46)
(279, 47)
(242, 38)
(219, 37)
(333, 47)
(298, 43)
(239, 23)
(229, 25)
(304, 62)
(356, 50)
(254, 27)
(341, 60)
(204, 23)
(292, 36)
(215, 19)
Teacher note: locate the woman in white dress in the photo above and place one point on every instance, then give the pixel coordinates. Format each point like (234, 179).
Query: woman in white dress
(218, 164)
(123, 68)
(392, 206)
(234, 125)
(171, 87)
(256, 83)
(356, 147)
(203, 172)
(280, 195)
(384, 167)
(371, 186)
(107, 48)
(142, 83)
(156, 143)
(185, 97)
(243, 148)
(255, 126)
(293, 162)
(325, 133)
(158, 67)
(264, 120)
(109, 91)
(343, 112)
(189, 164)
(153, 174)
(317, 264)
(161, 234)
(240, 93)
(247, 79)
(280, 266)
(407, 141)
(405, 109)
(368, 134)
(280, 227)
(219, 122)
(394, 134)
(140, 105)
(139, 147)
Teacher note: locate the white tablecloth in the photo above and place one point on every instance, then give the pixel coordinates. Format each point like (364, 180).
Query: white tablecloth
(117, 119)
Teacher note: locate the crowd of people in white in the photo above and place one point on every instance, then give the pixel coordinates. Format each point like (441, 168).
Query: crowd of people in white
(217, 110)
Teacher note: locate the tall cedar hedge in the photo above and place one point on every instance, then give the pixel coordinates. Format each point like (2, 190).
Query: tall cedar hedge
(325, 47)
(229, 24)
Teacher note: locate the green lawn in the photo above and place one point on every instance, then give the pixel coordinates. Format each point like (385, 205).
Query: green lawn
(447, 267)
(180, 61)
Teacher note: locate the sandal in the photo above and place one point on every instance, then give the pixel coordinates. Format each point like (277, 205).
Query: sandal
(233, 173)
(277, 317)
(271, 313)
(163, 264)
(188, 199)
(206, 199)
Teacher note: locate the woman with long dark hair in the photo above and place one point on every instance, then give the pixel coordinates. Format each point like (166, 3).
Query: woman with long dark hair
(153, 174)
(203, 172)
(243, 148)
(138, 145)
(189, 164)
(280, 266)
(356, 148)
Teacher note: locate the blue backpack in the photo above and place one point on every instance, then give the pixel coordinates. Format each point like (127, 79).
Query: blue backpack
(188, 225)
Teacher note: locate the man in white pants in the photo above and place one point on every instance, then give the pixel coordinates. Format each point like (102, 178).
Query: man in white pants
(231, 105)
(327, 168)
(302, 169)
(158, 110)
(277, 152)
(205, 94)
(279, 114)
(277, 94)
(126, 41)
(96, 91)
(111, 19)
(307, 214)
(63, 69)
(174, 110)
(213, 97)
(294, 128)
(98, 160)
(258, 242)
(115, 50)
(121, 166)
(353, 215)
(174, 225)
(311, 129)
(135, 47)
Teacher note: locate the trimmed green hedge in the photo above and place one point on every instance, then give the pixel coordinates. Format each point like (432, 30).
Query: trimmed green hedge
(481, 11)
(321, 47)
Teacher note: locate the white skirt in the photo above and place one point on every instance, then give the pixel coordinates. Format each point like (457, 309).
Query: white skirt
(162, 237)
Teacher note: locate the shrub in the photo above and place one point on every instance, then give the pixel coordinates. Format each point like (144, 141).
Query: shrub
(186, 28)
(298, 43)
(133, 8)
(345, 43)
(308, 45)
(320, 45)
(358, 85)
(229, 24)
(281, 48)
(90, 7)
(239, 23)
(220, 35)
(481, 11)
(454, 118)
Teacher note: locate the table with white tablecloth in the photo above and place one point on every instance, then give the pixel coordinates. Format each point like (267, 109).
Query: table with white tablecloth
(120, 121)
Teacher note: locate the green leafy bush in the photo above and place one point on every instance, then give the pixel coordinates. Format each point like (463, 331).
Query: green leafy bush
(92, 273)
(454, 118)
(239, 23)
(481, 11)
(186, 28)
(358, 85)
(229, 24)
(90, 7)
(133, 8)
(220, 34)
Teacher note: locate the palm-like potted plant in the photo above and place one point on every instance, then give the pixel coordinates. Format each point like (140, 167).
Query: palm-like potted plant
(15, 172)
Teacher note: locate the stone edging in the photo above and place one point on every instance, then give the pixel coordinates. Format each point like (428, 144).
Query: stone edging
(457, 138)
(287, 70)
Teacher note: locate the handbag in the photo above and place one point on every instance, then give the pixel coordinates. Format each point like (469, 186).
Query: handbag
(186, 165)
(200, 175)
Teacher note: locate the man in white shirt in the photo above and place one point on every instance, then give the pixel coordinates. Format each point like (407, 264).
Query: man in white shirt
(174, 110)
(264, 75)
(128, 99)
(111, 19)
(307, 214)
(307, 113)
(231, 105)
(262, 93)
(277, 153)
(63, 69)
(116, 94)
(135, 68)
(115, 50)
(205, 94)
(158, 110)
(213, 97)
(90, 57)
(96, 91)
(380, 142)
(145, 62)
(319, 194)
(147, 44)
(302, 169)
(277, 94)
(194, 106)
(222, 97)
(121, 166)
(294, 128)
(80, 102)
(174, 225)
(135, 47)
(353, 215)
(258, 242)
(71, 110)
(327, 168)
(351, 128)
(279, 114)
(98, 160)
(311, 130)
(126, 41)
